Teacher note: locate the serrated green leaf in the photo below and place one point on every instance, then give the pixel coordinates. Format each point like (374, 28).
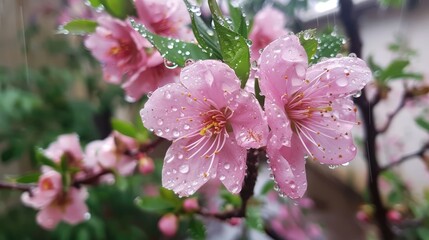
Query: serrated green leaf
(254, 219)
(43, 160)
(155, 204)
(423, 123)
(119, 8)
(308, 42)
(329, 46)
(197, 230)
(79, 26)
(204, 35)
(124, 127)
(173, 50)
(27, 178)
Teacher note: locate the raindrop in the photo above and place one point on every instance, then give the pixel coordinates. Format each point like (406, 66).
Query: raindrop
(167, 94)
(184, 168)
(249, 42)
(176, 133)
(345, 164)
(160, 122)
(170, 65)
(159, 132)
(222, 178)
(169, 158)
(189, 62)
(307, 35)
(352, 55)
(342, 82)
(254, 65)
(196, 10)
(87, 216)
(357, 94)
(227, 166)
(186, 127)
(332, 166)
(130, 99)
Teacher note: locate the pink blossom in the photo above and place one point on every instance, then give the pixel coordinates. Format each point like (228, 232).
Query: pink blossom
(54, 204)
(110, 153)
(168, 224)
(66, 144)
(191, 205)
(308, 109)
(261, 35)
(211, 122)
(75, 9)
(146, 164)
(166, 18)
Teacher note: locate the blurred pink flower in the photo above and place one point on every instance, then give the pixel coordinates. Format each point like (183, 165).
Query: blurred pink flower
(110, 153)
(261, 35)
(168, 224)
(166, 18)
(211, 122)
(308, 109)
(190, 204)
(146, 164)
(54, 204)
(66, 145)
(75, 9)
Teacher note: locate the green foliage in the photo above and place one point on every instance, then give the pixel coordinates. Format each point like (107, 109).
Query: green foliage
(124, 127)
(330, 45)
(79, 26)
(254, 219)
(156, 204)
(423, 123)
(27, 178)
(196, 229)
(392, 3)
(174, 50)
(118, 8)
(309, 42)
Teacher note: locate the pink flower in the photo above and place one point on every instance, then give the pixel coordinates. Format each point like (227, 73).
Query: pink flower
(191, 205)
(66, 145)
(211, 122)
(110, 153)
(166, 18)
(308, 109)
(168, 224)
(54, 204)
(146, 164)
(261, 35)
(75, 9)
(118, 47)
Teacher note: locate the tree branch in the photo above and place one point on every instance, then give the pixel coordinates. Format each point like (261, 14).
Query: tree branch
(17, 186)
(420, 153)
(407, 95)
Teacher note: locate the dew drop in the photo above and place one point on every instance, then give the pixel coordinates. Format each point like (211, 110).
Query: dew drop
(160, 122)
(159, 132)
(345, 164)
(186, 127)
(167, 94)
(332, 166)
(170, 65)
(342, 82)
(184, 168)
(357, 94)
(130, 99)
(352, 55)
(176, 133)
(189, 62)
(169, 158)
(222, 178)
(227, 166)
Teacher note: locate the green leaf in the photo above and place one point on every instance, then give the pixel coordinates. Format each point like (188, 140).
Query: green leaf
(238, 19)
(119, 8)
(309, 42)
(79, 26)
(95, 3)
(254, 219)
(423, 232)
(121, 182)
(232, 199)
(64, 170)
(43, 160)
(394, 70)
(204, 35)
(11, 152)
(329, 46)
(267, 187)
(173, 50)
(28, 178)
(154, 204)
(259, 97)
(197, 230)
(235, 51)
(124, 127)
(423, 123)
(169, 195)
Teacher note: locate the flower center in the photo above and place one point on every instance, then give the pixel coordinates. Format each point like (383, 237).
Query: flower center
(215, 121)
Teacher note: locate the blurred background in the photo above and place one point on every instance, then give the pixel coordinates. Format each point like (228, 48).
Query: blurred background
(50, 85)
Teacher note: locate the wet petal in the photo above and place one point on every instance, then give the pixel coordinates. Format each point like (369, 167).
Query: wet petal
(171, 113)
(232, 166)
(279, 123)
(340, 76)
(248, 123)
(288, 167)
(185, 170)
(283, 67)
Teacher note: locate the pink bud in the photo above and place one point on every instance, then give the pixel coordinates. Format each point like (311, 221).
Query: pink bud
(362, 216)
(191, 205)
(168, 224)
(146, 164)
(234, 221)
(394, 216)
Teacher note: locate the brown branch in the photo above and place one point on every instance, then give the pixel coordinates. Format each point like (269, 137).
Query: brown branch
(407, 95)
(420, 153)
(145, 148)
(246, 193)
(16, 186)
(93, 179)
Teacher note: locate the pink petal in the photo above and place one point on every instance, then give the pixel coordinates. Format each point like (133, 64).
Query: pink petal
(248, 123)
(210, 79)
(279, 124)
(342, 76)
(171, 113)
(76, 209)
(232, 166)
(282, 68)
(49, 217)
(185, 176)
(288, 167)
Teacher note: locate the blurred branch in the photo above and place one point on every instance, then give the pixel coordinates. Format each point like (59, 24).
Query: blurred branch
(407, 95)
(16, 186)
(246, 193)
(420, 153)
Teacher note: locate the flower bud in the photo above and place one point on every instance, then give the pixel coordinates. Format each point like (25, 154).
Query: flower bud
(234, 221)
(190, 205)
(168, 224)
(394, 216)
(146, 164)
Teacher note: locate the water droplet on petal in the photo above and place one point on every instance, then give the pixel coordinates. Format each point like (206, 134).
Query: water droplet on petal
(184, 168)
(169, 64)
(160, 122)
(345, 164)
(352, 55)
(131, 99)
(342, 82)
(176, 133)
(169, 158)
(227, 166)
(357, 94)
(222, 178)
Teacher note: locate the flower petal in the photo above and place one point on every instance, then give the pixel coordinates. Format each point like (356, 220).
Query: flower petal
(279, 124)
(184, 170)
(171, 113)
(288, 167)
(248, 123)
(340, 76)
(76, 209)
(210, 79)
(232, 166)
(282, 68)
(49, 217)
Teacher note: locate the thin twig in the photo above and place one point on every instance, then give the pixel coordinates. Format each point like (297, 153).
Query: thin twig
(407, 95)
(16, 186)
(420, 153)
